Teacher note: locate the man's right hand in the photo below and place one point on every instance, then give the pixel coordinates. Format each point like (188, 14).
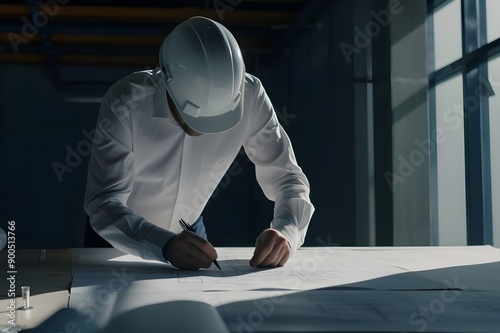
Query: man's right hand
(187, 250)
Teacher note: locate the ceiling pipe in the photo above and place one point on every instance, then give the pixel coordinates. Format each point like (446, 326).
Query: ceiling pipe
(45, 39)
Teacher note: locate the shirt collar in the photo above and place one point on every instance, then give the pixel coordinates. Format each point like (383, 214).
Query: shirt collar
(160, 106)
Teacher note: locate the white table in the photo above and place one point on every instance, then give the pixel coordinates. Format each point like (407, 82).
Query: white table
(324, 289)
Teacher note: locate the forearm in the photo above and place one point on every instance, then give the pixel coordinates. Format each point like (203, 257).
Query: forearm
(291, 218)
(129, 232)
(284, 182)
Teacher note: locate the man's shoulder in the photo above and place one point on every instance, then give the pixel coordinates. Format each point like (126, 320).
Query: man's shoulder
(251, 80)
(253, 86)
(134, 87)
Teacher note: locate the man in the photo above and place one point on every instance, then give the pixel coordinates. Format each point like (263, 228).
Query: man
(165, 138)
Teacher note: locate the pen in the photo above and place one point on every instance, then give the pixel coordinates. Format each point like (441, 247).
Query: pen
(187, 226)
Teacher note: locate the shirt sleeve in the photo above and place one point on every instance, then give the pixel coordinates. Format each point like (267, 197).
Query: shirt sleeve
(110, 181)
(277, 171)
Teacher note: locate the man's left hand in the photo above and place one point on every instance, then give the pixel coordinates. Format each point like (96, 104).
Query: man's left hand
(271, 249)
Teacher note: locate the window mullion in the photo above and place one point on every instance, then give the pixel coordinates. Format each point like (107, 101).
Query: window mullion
(473, 121)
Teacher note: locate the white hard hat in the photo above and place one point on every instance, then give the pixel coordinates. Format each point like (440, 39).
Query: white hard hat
(204, 73)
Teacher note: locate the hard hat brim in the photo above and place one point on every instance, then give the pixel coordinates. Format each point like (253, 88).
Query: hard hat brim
(215, 124)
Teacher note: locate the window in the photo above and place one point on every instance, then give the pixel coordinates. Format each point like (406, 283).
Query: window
(447, 36)
(492, 21)
(464, 90)
(449, 138)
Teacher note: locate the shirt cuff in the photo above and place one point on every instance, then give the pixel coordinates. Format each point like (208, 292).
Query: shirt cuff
(152, 245)
(289, 231)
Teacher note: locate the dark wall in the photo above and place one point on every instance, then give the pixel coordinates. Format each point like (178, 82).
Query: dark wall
(319, 90)
(312, 90)
(310, 84)
(39, 129)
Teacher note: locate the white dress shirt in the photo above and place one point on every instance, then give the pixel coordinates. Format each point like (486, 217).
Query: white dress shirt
(145, 173)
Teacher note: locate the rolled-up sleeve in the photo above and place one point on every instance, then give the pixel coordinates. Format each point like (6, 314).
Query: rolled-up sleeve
(110, 181)
(278, 173)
